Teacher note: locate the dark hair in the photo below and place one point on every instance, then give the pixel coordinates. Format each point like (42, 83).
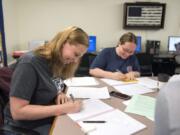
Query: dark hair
(127, 37)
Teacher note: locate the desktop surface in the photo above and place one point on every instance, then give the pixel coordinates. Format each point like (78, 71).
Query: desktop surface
(61, 122)
(165, 55)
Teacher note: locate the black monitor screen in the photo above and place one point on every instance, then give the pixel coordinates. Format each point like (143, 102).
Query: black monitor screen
(173, 42)
(138, 44)
(92, 44)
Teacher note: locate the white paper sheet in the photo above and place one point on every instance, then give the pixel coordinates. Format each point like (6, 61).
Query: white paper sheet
(81, 81)
(133, 89)
(117, 123)
(148, 82)
(175, 78)
(91, 108)
(89, 92)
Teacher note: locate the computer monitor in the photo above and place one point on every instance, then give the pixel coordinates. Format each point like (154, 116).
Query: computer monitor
(172, 41)
(138, 44)
(92, 44)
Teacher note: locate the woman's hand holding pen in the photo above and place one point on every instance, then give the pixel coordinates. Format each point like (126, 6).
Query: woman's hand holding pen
(75, 106)
(130, 76)
(69, 107)
(118, 76)
(61, 98)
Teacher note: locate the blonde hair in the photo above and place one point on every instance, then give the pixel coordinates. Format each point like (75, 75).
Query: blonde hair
(51, 51)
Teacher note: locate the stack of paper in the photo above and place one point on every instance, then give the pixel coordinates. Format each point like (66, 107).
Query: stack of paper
(150, 83)
(142, 105)
(143, 81)
(89, 92)
(91, 107)
(133, 89)
(81, 81)
(116, 122)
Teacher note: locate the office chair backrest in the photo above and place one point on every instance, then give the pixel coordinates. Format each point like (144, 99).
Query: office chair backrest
(144, 58)
(5, 80)
(85, 63)
(145, 61)
(2, 104)
(85, 60)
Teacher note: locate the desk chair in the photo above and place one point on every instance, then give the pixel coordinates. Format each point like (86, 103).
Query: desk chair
(145, 61)
(85, 64)
(5, 79)
(177, 60)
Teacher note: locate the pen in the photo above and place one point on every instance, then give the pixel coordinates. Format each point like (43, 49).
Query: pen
(72, 97)
(94, 121)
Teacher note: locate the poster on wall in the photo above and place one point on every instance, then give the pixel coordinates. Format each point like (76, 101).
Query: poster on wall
(144, 15)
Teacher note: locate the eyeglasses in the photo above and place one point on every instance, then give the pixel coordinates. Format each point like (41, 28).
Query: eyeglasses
(127, 50)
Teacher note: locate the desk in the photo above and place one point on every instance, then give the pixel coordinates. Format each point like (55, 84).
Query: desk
(63, 125)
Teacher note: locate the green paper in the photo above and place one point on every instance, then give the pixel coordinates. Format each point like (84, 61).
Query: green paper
(142, 105)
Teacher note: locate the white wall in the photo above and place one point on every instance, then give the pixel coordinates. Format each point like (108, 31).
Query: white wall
(10, 27)
(27, 20)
